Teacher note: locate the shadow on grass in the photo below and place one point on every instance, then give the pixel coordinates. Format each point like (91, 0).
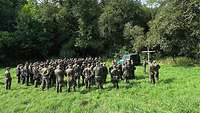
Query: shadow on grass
(167, 81)
(129, 85)
(85, 91)
(1, 83)
(109, 88)
(185, 65)
(141, 77)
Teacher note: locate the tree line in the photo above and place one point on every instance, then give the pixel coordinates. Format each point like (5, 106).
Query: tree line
(41, 29)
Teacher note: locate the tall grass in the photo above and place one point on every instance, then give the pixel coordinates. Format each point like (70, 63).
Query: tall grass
(180, 61)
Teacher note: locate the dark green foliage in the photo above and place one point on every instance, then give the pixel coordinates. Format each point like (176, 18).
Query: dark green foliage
(33, 30)
(116, 14)
(176, 28)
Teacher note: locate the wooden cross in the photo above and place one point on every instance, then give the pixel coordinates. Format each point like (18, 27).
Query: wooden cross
(148, 53)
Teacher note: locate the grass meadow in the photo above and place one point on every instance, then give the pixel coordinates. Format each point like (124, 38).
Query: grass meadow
(178, 91)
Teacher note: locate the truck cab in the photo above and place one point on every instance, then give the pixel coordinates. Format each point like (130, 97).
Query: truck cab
(132, 56)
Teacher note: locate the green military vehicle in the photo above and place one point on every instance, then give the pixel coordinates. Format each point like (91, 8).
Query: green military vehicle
(132, 56)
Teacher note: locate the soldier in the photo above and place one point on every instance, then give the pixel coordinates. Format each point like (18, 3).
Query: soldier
(115, 76)
(30, 68)
(8, 79)
(83, 66)
(119, 67)
(87, 72)
(77, 73)
(98, 72)
(105, 73)
(45, 77)
(23, 75)
(126, 71)
(133, 68)
(26, 73)
(157, 67)
(152, 72)
(18, 73)
(92, 80)
(59, 78)
(52, 77)
(36, 76)
(71, 78)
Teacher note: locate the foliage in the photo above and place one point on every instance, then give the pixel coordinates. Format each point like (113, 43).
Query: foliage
(116, 14)
(8, 14)
(176, 28)
(135, 36)
(41, 29)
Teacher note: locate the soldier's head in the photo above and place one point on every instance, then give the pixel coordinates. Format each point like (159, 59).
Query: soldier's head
(88, 65)
(58, 67)
(70, 66)
(7, 68)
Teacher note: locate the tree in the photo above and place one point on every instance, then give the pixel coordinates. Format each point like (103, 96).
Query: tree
(8, 14)
(88, 12)
(116, 14)
(176, 28)
(135, 37)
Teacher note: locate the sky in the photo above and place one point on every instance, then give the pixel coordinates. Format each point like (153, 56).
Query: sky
(143, 1)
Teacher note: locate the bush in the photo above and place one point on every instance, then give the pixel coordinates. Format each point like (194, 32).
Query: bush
(179, 61)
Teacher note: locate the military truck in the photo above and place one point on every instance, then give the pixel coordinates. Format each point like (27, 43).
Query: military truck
(131, 56)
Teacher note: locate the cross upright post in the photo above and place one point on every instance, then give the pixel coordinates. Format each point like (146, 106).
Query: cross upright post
(148, 53)
(148, 57)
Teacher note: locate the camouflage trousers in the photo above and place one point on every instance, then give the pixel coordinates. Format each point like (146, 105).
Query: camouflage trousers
(152, 78)
(8, 82)
(71, 84)
(115, 81)
(18, 78)
(88, 82)
(45, 83)
(59, 85)
(99, 82)
(36, 82)
(78, 78)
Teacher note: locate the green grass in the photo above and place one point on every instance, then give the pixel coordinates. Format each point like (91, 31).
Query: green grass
(177, 92)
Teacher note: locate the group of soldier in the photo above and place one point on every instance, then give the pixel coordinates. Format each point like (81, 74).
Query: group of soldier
(75, 72)
(153, 70)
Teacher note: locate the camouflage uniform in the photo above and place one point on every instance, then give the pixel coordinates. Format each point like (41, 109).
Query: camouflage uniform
(115, 77)
(152, 73)
(92, 80)
(157, 67)
(133, 68)
(98, 72)
(45, 78)
(8, 79)
(71, 78)
(126, 71)
(30, 68)
(105, 73)
(23, 75)
(77, 73)
(36, 76)
(26, 74)
(82, 75)
(52, 77)
(59, 79)
(87, 72)
(119, 67)
(18, 73)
